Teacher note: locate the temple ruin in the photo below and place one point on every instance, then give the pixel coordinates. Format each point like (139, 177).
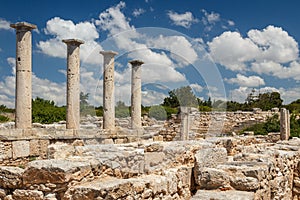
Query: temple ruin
(139, 157)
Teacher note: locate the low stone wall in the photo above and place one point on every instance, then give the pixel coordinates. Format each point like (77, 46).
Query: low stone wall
(220, 168)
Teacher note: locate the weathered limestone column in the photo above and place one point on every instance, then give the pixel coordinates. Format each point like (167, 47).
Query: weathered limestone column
(284, 124)
(108, 89)
(185, 126)
(136, 94)
(23, 74)
(73, 83)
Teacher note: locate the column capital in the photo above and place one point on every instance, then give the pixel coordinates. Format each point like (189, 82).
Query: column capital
(76, 42)
(113, 53)
(23, 26)
(136, 62)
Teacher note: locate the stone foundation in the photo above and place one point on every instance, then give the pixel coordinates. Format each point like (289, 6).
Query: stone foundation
(245, 167)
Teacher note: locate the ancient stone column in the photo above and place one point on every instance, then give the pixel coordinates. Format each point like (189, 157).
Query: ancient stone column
(108, 89)
(284, 124)
(136, 94)
(23, 74)
(73, 83)
(185, 126)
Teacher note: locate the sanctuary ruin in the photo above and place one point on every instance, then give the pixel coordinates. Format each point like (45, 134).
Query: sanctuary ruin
(185, 157)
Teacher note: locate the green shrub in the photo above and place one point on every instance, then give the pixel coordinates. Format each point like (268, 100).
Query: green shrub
(295, 126)
(204, 108)
(3, 118)
(158, 112)
(122, 112)
(170, 111)
(271, 125)
(99, 111)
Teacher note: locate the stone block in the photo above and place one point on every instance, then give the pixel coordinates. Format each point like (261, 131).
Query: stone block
(210, 178)
(119, 141)
(20, 149)
(172, 180)
(244, 183)
(55, 171)
(28, 195)
(60, 151)
(184, 175)
(153, 160)
(10, 177)
(38, 147)
(223, 195)
(108, 141)
(107, 188)
(158, 184)
(29, 133)
(210, 157)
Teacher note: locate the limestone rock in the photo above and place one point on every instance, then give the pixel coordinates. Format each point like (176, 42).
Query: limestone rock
(55, 171)
(210, 157)
(245, 183)
(109, 188)
(28, 195)
(210, 178)
(20, 149)
(50, 197)
(60, 151)
(2, 193)
(10, 177)
(223, 195)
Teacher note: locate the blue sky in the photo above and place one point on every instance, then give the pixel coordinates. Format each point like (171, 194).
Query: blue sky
(222, 49)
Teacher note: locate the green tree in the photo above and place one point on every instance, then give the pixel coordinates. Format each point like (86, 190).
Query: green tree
(183, 96)
(294, 107)
(4, 109)
(45, 111)
(267, 101)
(172, 100)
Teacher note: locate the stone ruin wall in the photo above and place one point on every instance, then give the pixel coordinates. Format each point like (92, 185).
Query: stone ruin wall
(245, 167)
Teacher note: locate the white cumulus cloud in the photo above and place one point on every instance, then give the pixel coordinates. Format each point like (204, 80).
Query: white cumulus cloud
(4, 24)
(270, 51)
(178, 45)
(113, 20)
(196, 87)
(247, 81)
(137, 12)
(210, 18)
(61, 29)
(233, 51)
(185, 20)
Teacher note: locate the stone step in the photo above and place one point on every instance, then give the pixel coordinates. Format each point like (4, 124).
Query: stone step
(174, 183)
